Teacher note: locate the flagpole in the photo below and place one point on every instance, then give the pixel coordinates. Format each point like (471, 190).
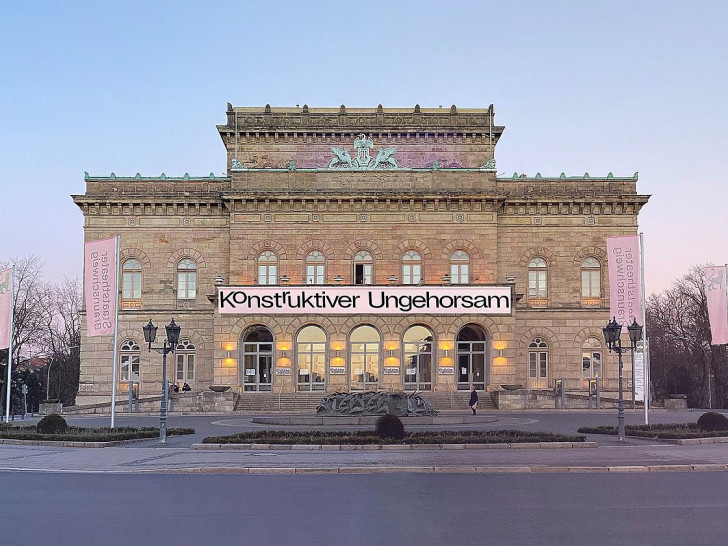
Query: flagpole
(10, 344)
(116, 339)
(645, 353)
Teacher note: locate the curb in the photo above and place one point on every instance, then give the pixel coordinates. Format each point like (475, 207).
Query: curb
(262, 470)
(389, 447)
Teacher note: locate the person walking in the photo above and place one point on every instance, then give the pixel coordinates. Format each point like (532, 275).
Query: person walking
(473, 399)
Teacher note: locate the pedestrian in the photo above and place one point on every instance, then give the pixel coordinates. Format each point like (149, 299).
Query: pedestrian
(473, 399)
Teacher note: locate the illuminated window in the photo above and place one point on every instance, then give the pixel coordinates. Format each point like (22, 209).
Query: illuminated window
(411, 268)
(365, 346)
(186, 279)
(311, 358)
(417, 345)
(459, 267)
(315, 268)
(131, 280)
(267, 268)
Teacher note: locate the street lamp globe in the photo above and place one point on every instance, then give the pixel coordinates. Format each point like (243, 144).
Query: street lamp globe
(611, 333)
(173, 331)
(150, 332)
(635, 332)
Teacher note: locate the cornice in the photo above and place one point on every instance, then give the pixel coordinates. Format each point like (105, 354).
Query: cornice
(343, 119)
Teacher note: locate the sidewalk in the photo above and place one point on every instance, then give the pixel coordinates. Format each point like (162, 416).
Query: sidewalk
(634, 456)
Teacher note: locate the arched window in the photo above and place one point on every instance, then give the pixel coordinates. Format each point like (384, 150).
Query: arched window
(129, 355)
(537, 280)
(311, 358)
(363, 268)
(365, 346)
(186, 279)
(471, 363)
(257, 358)
(411, 268)
(417, 344)
(538, 363)
(131, 280)
(185, 365)
(591, 278)
(591, 358)
(315, 268)
(267, 268)
(459, 267)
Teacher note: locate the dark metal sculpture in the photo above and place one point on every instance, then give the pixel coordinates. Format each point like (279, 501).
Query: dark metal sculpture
(375, 403)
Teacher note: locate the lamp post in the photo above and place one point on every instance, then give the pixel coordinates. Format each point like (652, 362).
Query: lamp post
(169, 345)
(612, 335)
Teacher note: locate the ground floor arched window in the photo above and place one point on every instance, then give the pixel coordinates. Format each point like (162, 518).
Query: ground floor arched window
(185, 359)
(365, 346)
(311, 359)
(538, 364)
(471, 361)
(257, 359)
(417, 347)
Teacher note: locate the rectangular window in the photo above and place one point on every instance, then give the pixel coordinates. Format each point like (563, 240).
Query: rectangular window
(537, 284)
(124, 362)
(315, 274)
(590, 284)
(363, 273)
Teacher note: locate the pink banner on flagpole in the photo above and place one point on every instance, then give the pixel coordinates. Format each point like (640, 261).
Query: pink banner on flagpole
(717, 309)
(625, 289)
(6, 306)
(100, 286)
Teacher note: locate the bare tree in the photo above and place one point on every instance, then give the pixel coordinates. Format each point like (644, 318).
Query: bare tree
(62, 338)
(682, 358)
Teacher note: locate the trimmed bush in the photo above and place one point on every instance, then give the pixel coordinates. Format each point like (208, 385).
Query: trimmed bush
(389, 426)
(52, 424)
(712, 420)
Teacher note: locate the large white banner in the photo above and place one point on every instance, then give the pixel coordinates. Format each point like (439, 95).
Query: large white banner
(717, 307)
(382, 300)
(6, 306)
(625, 289)
(639, 376)
(100, 286)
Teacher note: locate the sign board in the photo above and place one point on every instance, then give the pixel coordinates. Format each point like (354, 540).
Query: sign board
(639, 376)
(350, 300)
(391, 371)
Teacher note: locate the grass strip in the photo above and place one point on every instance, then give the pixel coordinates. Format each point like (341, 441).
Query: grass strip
(665, 431)
(83, 434)
(368, 437)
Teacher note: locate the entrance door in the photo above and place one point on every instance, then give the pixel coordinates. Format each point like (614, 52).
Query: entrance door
(257, 359)
(471, 359)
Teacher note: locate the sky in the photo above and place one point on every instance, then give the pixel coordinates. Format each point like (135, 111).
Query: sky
(598, 87)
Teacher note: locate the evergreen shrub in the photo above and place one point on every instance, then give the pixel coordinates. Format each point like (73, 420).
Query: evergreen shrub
(52, 424)
(389, 426)
(712, 421)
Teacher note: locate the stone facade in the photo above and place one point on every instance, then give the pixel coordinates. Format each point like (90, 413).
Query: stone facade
(287, 194)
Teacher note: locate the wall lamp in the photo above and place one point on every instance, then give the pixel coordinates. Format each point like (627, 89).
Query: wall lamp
(285, 279)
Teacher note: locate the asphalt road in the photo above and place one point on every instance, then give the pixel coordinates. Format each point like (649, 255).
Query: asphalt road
(660, 509)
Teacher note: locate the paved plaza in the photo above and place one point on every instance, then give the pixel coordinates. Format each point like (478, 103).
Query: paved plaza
(635, 455)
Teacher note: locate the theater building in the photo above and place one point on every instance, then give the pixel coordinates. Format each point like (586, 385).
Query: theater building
(359, 249)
